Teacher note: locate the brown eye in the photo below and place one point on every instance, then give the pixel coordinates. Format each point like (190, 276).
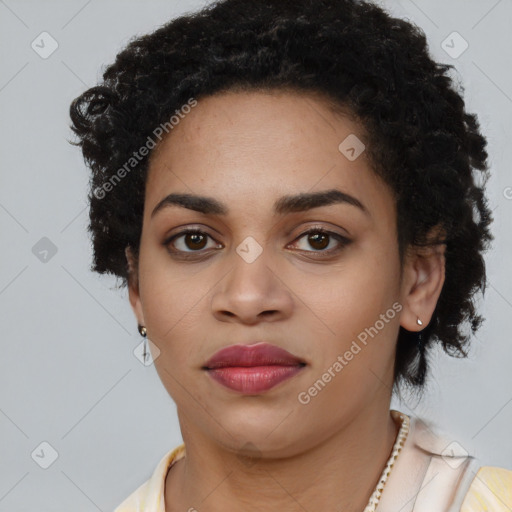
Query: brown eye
(188, 241)
(320, 241)
(194, 241)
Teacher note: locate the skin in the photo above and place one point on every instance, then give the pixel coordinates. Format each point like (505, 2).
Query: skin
(247, 150)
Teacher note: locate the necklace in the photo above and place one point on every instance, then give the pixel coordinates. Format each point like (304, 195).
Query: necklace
(397, 447)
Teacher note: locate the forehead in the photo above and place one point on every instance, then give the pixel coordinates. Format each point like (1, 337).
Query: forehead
(259, 146)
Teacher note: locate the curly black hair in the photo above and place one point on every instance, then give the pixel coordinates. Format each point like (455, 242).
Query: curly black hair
(419, 138)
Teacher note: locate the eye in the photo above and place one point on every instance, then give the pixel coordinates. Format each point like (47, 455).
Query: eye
(189, 241)
(321, 240)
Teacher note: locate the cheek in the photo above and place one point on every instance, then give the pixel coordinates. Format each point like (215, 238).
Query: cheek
(352, 292)
(356, 313)
(171, 312)
(172, 303)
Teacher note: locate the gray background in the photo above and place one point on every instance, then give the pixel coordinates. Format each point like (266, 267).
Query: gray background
(68, 374)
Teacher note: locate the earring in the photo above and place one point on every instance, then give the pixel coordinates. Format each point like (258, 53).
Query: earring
(419, 336)
(144, 332)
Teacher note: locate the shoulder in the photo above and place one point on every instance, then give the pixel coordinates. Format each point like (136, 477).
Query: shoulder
(149, 497)
(433, 473)
(490, 490)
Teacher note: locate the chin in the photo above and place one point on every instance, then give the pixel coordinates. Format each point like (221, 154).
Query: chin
(266, 432)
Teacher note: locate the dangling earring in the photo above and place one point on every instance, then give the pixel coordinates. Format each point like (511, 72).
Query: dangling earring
(143, 332)
(419, 337)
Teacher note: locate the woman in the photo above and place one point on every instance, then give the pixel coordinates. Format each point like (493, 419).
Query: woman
(294, 195)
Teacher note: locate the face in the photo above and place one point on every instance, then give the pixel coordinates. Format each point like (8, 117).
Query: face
(252, 272)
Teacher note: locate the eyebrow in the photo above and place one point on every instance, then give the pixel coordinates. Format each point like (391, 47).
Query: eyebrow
(286, 204)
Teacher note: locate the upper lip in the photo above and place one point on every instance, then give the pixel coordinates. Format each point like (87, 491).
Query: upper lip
(258, 354)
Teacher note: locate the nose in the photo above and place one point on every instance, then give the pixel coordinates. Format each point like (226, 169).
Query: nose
(252, 292)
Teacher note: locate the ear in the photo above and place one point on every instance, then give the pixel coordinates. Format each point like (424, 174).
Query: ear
(424, 276)
(133, 285)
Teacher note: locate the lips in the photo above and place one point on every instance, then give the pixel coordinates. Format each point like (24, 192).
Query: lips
(259, 354)
(252, 369)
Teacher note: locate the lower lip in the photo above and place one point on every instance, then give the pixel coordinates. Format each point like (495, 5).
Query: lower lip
(253, 379)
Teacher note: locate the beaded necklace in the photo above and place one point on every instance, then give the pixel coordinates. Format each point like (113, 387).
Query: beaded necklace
(397, 447)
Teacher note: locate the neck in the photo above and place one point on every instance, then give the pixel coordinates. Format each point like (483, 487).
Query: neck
(340, 473)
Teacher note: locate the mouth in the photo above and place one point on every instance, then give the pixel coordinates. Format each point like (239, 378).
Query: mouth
(252, 369)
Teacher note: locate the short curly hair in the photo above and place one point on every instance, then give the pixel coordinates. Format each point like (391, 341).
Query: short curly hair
(419, 138)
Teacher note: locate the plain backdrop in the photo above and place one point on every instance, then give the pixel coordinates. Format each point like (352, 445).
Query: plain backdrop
(68, 374)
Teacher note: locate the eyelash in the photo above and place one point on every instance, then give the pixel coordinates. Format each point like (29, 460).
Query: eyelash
(314, 230)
